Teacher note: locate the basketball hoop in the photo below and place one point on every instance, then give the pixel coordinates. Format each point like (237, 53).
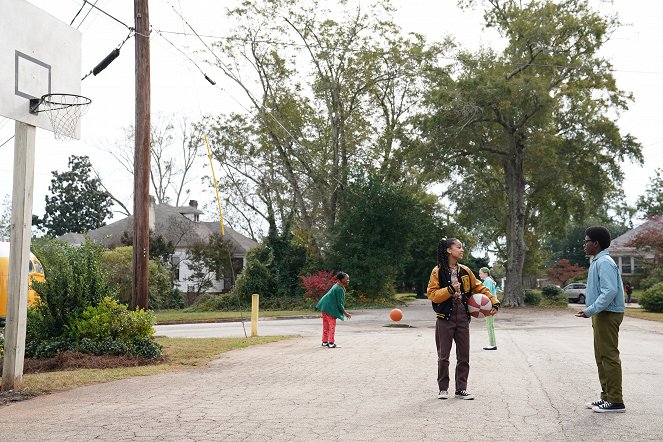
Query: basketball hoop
(64, 111)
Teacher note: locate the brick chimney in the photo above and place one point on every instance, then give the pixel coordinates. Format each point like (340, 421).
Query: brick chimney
(193, 203)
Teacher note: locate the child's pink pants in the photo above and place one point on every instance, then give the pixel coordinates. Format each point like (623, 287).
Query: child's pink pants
(328, 327)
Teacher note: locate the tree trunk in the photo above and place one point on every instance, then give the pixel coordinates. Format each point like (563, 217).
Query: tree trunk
(515, 235)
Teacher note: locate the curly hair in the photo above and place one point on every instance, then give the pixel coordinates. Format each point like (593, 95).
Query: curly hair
(600, 234)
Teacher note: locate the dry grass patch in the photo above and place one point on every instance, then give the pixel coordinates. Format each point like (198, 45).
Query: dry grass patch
(179, 354)
(644, 314)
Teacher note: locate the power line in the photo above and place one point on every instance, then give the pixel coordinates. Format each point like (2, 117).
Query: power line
(377, 52)
(7, 141)
(88, 13)
(79, 11)
(103, 12)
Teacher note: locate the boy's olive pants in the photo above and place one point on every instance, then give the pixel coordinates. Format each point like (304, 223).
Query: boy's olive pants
(606, 351)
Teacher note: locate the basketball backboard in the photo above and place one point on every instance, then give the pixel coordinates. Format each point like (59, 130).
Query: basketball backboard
(39, 55)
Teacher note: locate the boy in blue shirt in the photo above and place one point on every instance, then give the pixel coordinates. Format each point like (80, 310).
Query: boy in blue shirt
(604, 300)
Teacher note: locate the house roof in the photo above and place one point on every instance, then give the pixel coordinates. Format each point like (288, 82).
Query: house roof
(169, 222)
(619, 246)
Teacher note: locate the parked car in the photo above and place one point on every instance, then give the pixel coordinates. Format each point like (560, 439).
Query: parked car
(576, 292)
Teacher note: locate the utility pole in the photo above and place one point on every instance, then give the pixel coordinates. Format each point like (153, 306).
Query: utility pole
(141, 239)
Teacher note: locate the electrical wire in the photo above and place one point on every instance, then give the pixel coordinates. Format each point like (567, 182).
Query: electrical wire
(79, 11)
(88, 13)
(380, 53)
(103, 12)
(7, 141)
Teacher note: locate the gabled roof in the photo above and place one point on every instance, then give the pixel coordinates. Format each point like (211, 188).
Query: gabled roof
(171, 223)
(619, 246)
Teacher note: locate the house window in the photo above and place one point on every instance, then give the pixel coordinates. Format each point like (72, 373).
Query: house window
(626, 265)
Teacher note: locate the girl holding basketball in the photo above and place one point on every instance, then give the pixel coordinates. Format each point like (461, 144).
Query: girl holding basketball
(449, 287)
(489, 281)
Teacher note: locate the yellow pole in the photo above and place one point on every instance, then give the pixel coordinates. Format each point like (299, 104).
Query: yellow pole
(254, 314)
(216, 188)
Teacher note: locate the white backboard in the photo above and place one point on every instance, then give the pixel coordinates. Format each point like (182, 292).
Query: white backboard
(39, 55)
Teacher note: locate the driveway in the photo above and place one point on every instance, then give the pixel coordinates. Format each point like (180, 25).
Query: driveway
(378, 385)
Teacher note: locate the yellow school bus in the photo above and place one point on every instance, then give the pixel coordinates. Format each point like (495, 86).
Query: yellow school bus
(36, 273)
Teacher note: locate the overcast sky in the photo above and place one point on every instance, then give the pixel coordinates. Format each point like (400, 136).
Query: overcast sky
(178, 87)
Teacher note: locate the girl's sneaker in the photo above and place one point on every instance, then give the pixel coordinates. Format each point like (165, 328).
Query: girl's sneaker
(331, 345)
(325, 344)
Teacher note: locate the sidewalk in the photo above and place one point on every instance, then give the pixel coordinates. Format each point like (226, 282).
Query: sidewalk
(378, 385)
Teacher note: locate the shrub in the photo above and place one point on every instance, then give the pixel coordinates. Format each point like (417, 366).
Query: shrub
(652, 298)
(559, 300)
(210, 303)
(317, 284)
(110, 328)
(531, 297)
(2, 342)
(255, 278)
(117, 266)
(74, 281)
(551, 292)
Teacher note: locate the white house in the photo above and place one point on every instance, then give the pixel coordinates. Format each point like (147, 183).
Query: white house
(630, 259)
(181, 226)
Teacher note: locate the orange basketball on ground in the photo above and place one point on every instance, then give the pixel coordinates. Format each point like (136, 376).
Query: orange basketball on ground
(396, 315)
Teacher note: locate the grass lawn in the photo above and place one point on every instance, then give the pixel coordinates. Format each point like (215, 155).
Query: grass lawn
(643, 314)
(181, 354)
(180, 316)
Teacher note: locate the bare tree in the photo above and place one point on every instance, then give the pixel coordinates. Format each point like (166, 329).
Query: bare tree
(173, 155)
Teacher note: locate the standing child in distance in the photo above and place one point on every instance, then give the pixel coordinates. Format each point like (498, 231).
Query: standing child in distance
(332, 306)
(491, 284)
(449, 287)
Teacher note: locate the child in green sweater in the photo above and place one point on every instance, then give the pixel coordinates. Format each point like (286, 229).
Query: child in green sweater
(332, 306)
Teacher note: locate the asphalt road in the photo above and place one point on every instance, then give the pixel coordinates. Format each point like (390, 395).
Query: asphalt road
(378, 385)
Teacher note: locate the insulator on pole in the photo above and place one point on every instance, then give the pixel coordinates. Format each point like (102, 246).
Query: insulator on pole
(106, 61)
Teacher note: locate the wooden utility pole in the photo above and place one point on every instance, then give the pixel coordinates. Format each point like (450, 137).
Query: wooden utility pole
(141, 238)
(19, 255)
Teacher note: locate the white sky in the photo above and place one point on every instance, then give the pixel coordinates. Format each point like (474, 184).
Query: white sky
(179, 88)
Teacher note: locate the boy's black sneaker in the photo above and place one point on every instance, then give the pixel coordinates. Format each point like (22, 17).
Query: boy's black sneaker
(609, 407)
(331, 345)
(325, 344)
(595, 403)
(462, 394)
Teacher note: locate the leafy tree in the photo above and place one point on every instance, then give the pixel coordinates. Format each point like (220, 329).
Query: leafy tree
(378, 232)
(528, 135)
(334, 91)
(420, 257)
(564, 271)
(117, 266)
(273, 268)
(650, 242)
(209, 261)
(77, 203)
(569, 246)
(174, 148)
(651, 202)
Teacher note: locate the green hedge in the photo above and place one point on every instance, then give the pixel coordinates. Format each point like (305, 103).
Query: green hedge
(652, 298)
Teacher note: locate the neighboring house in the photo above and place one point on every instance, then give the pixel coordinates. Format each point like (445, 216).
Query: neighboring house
(630, 259)
(181, 226)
